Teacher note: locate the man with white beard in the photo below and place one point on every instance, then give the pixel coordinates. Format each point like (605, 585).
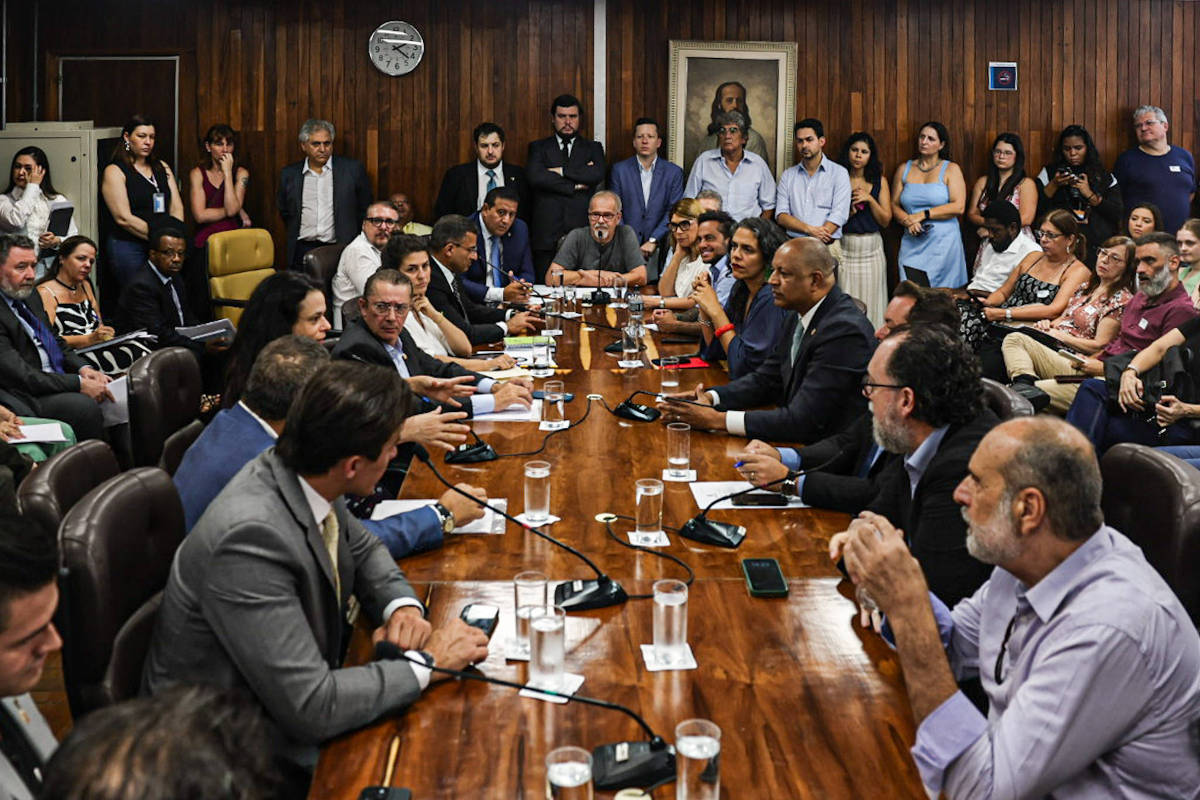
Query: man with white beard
(1090, 663)
(603, 251)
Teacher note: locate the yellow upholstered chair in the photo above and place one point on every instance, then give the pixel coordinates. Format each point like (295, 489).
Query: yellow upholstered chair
(237, 262)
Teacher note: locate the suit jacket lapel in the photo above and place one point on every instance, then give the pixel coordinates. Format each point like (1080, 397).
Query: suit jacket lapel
(289, 487)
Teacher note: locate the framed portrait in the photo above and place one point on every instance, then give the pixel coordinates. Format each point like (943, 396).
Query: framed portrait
(704, 75)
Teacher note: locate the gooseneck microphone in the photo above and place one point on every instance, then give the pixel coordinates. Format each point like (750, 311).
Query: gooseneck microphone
(614, 766)
(578, 595)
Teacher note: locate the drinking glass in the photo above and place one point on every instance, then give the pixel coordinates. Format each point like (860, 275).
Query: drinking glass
(569, 774)
(537, 491)
(670, 621)
(631, 342)
(697, 760)
(669, 367)
(547, 646)
(679, 449)
(556, 280)
(649, 497)
(530, 591)
(618, 290)
(553, 398)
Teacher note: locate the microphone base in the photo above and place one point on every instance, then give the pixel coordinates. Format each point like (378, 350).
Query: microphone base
(472, 454)
(722, 534)
(616, 347)
(626, 764)
(599, 297)
(584, 595)
(636, 412)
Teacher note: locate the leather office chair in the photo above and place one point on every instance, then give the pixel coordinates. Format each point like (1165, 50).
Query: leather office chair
(177, 444)
(164, 396)
(237, 262)
(55, 487)
(321, 264)
(1003, 401)
(117, 546)
(1154, 499)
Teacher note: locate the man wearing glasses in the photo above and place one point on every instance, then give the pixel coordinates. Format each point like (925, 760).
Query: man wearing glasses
(603, 251)
(743, 179)
(362, 256)
(1155, 171)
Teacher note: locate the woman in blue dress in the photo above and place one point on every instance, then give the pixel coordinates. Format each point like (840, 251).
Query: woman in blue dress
(932, 197)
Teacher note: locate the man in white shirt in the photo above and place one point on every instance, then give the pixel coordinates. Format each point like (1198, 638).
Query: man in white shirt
(1004, 249)
(464, 186)
(361, 257)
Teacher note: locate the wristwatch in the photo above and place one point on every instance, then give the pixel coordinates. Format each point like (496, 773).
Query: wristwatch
(927, 215)
(426, 656)
(445, 516)
(1008, 314)
(791, 484)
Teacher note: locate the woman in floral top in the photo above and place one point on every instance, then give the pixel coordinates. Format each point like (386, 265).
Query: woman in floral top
(1090, 321)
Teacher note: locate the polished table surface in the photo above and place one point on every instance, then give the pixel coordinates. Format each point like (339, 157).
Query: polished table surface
(809, 704)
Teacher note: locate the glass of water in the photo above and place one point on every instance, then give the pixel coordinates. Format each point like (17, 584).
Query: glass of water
(537, 491)
(529, 592)
(553, 399)
(649, 496)
(679, 449)
(541, 356)
(547, 647)
(618, 290)
(556, 280)
(631, 342)
(569, 774)
(670, 621)
(669, 367)
(697, 760)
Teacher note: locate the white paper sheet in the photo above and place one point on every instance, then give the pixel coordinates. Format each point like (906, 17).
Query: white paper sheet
(706, 491)
(513, 414)
(46, 432)
(116, 411)
(491, 522)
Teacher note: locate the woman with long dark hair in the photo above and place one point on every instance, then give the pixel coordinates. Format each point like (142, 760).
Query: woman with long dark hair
(1075, 180)
(137, 186)
(932, 197)
(1005, 180)
(28, 200)
(863, 272)
(286, 302)
(217, 185)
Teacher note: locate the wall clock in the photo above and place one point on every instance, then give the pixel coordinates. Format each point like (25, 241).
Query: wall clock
(396, 48)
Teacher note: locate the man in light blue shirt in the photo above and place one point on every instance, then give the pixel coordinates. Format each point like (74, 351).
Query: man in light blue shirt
(813, 198)
(743, 179)
(1089, 661)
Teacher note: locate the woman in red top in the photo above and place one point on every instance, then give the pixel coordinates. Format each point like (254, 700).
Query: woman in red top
(217, 196)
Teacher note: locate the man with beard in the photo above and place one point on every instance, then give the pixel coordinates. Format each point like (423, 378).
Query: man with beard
(813, 197)
(1160, 305)
(713, 231)
(604, 250)
(464, 186)
(361, 257)
(1089, 661)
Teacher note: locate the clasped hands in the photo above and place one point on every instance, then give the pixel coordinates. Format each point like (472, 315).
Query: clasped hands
(455, 646)
(880, 566)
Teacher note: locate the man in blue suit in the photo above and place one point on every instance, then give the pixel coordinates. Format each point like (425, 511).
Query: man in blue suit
(647, 185)
(238, 434)
(502, 242)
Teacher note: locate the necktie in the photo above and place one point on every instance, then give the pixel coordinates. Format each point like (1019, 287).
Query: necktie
(491, 174)
(329, 532)
(796, 338)
(44, 336)
(20, 752)
(566, 150)
(456, 290)
(175, 299)
(497, 275)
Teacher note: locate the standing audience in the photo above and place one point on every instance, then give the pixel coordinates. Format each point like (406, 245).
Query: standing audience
(743, 179)
(1155, 171)
(928, 205)
(1005, 179)
(1076, 180)
(863, 272)
(648, 186)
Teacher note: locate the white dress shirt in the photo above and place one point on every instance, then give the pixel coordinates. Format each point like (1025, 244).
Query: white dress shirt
(481, 174)
(647, 176)
(316, 205)
(358, 262)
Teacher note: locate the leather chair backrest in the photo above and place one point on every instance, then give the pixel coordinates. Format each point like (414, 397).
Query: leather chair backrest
(237, 262)
(350, 312)
(1154, 499)
(117, 546)
(1003, 401)
(177, 444)
(164, 396)
(321, 264)
(53, 488)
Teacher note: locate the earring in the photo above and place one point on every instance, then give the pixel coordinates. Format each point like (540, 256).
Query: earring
(127, 148)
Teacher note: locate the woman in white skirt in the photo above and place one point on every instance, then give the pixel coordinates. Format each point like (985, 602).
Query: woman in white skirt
(863, 271)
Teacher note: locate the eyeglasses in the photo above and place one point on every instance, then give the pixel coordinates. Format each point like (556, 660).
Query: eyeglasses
(868, 388)
(1004, 153)
(383, 222)
(1049, 236)
(383, 309)
(602, 215)
(729, 130)
(680, 226)
(1110, 255)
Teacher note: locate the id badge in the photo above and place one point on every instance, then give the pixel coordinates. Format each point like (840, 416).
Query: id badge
(160, 203)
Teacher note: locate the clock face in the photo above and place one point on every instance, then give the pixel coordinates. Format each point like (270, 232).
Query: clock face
(396, 48)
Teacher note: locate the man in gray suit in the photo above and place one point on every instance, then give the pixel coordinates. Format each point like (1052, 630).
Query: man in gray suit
(258, 593)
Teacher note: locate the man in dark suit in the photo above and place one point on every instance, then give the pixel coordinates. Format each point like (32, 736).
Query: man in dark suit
(28, 598)
(379, 338)
(502, 246)
(257, 597)
(563, 171)
(452, 247)
(812, 377)
(238, 434)
(648, 186)
(465, 186)
(156, 299)
(321, 202)
(40, 376)
(841, 472)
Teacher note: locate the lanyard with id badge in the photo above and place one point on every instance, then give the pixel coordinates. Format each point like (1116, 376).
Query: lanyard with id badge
(159, 198)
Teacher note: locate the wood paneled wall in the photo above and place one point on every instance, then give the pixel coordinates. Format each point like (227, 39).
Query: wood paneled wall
(883, 67)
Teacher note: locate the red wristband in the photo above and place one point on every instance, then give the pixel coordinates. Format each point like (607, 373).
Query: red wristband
(724, 329)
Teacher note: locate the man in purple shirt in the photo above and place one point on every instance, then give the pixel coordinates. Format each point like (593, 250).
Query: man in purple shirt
(1161, 304)
(1089, 661)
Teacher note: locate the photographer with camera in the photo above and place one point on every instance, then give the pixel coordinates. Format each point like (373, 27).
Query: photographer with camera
(1076, 180)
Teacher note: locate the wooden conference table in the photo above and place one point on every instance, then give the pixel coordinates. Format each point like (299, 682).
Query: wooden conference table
(809, 704)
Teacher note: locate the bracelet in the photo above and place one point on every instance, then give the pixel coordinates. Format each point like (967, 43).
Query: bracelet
(724, 329)
(1132, 369)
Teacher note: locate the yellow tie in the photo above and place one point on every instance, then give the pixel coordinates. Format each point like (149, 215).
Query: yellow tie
(329, 532)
